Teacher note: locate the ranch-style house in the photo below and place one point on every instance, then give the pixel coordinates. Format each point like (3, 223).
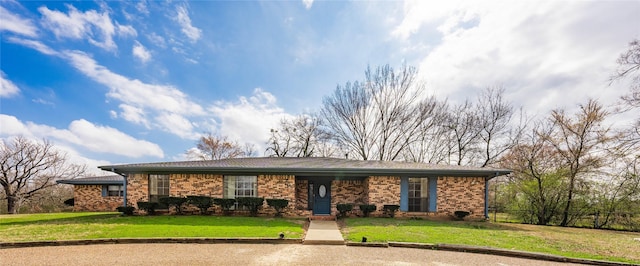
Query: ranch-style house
(313, 186)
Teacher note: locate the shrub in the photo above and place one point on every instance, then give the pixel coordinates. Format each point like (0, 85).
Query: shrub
(344, 209)
(367, 209)
(279, 205)
(390, 210)
(251, 203)
(69, 202)
(461, 214)
(149, 207)
(176, 202)
(126, 210)
(202, 202)
(225, 204)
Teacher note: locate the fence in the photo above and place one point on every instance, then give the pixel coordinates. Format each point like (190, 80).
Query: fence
(627, 221)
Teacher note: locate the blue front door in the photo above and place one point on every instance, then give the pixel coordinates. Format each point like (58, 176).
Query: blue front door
(322, 197)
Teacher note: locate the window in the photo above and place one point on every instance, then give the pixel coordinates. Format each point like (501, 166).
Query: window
(240, 186)
(158, 187)
(112, 191)
(418, 194)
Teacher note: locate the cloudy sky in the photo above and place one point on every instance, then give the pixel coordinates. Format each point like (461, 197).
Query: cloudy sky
(123, 82)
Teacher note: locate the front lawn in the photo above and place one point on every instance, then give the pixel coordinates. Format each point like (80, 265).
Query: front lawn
(67, 226)
(570, 242)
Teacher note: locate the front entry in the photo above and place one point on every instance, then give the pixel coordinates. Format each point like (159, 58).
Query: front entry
(321, 197)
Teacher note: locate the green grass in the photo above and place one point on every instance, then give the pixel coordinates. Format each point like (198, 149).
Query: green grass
(570, 242)
(67, 226)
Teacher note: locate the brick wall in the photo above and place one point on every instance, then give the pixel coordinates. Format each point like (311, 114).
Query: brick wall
(382, 190)
(137, 188)
(461, 193)
(89, 198)
(302, 194)
(347, 191)
(277, 187)
(182, 185)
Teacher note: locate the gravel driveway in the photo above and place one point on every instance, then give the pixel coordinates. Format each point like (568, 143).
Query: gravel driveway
(245, 254)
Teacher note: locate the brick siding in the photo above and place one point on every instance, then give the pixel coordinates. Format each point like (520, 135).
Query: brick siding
(461, 193)
(453, 193)
(277, 187)
(346, 191)
(89, 198)
(382, 190)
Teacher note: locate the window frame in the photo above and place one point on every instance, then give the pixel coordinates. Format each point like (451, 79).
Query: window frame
(418, 194)
(159, 186)
(237, 186)
(107, 191)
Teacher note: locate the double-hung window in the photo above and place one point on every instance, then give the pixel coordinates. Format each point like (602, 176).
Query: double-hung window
(158, 187)
(240, 186)
(418, 194)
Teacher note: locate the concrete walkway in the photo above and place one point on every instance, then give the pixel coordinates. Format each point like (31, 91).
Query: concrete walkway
(323, 233)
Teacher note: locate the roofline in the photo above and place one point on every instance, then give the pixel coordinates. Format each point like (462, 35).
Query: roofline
(490, 173)
(96, 182)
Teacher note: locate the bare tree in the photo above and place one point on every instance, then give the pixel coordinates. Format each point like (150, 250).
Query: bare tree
(215, 147)
(464, 124)
(433, 142)
(301, 136)
(347, 116)
(497, 134)
(29, 167)
(381, 117)
(579, 140)
(629, 66)
(538, 178)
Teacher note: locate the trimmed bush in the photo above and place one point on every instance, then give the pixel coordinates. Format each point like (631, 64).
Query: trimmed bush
(126, 210)
(70, 202)
(461, 214)
(149, 207)
(344, 209)
(367, 209)
(202, 202)
(390, 210)
(278, 205)
(225, 205)
(176, 202)
(251, 203)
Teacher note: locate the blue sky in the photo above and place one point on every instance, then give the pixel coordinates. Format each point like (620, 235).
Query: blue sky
(123, 82)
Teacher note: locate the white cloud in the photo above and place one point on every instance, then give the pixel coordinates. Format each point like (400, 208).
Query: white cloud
(36, 45)
(177, 125)
(133, 114)
(249, 120)
(307, 4)
(126, 30)
(7, 88)
(140, 52)
(84, 134)
(182, 17)
(540, 51)
(157, 40)
(91, 25)
(159, 98)
(14, 23)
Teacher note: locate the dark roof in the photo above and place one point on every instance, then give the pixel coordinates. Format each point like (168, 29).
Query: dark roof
(95, 180)
(310, 166)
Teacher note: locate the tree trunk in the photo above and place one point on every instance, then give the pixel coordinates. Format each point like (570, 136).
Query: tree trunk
(565, 213)
(11, 205)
